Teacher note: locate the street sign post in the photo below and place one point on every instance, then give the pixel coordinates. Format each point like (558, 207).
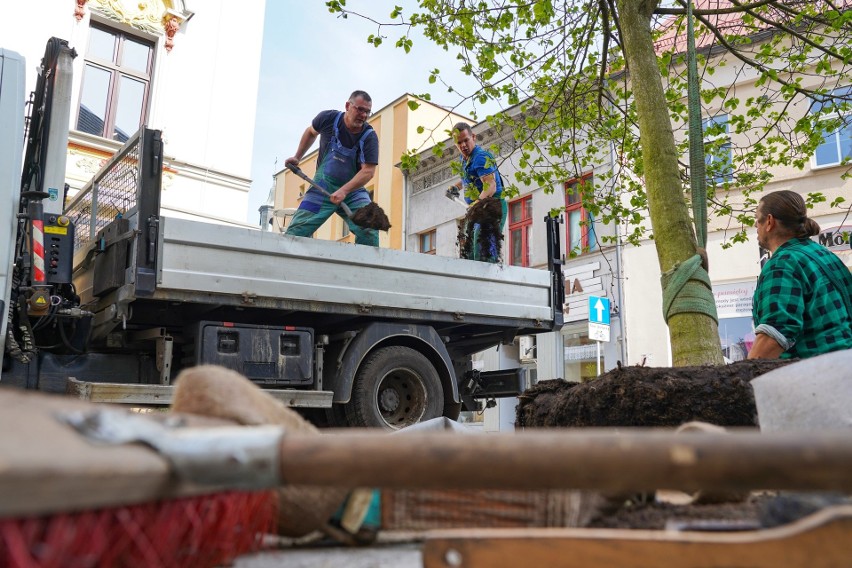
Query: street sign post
(599, 323)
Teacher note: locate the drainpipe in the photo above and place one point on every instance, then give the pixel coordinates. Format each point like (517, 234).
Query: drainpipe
(405, 188)
(619, 244)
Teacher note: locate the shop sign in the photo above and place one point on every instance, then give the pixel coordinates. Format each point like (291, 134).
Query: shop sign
(734, 300)
(834, 239)
(581, 352)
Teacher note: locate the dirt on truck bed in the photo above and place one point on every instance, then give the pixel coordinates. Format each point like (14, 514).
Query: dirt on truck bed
(647, 397)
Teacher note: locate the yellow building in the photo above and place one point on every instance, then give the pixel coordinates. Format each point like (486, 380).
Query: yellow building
(396, 125)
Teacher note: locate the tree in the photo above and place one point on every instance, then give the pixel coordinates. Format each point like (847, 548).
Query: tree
(612, 73)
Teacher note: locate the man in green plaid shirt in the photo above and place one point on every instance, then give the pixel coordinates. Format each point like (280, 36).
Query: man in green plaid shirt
(802, 304)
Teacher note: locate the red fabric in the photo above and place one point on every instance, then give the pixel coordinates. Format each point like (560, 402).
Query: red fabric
(208, 530)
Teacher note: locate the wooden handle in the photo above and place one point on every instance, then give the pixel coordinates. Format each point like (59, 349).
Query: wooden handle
(298, 171)
(638, 460)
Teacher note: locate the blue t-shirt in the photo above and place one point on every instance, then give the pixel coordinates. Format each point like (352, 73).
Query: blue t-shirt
(324, 124)
(480, 164)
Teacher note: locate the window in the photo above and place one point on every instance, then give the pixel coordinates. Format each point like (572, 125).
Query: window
(116, 84)
(520, 221)
(737, 337)
(717, 150)
(836, 145)
(427, 242)
(344, 230)
(580, 224)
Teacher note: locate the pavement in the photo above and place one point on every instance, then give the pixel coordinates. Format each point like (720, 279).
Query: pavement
(405, 555)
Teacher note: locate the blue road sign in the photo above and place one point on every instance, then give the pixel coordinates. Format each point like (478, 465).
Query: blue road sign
(599, 310)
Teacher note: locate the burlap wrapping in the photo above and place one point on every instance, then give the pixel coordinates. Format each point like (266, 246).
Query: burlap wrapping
(210, 390)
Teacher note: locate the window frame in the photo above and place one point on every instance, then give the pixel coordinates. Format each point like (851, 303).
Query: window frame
(116, 73)
(432, 234)
(726, 176)
(524, 226)
(586, 220)
(834, 115)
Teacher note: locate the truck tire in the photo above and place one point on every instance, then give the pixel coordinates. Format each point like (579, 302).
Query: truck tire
(395, 387)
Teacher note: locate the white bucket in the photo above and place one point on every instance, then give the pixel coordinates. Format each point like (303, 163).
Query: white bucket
(812, 394)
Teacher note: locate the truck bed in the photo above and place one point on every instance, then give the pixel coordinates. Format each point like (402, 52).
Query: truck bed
(209, 263)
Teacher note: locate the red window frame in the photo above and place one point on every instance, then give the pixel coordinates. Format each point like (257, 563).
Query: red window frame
(574, 202)
(519, 227)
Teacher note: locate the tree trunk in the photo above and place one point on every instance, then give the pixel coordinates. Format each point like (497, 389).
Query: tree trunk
(694, 337)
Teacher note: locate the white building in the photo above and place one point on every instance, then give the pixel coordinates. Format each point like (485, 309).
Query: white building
(192, 74)
(629, 275)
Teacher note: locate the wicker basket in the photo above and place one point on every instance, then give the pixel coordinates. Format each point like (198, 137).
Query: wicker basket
(444, 509)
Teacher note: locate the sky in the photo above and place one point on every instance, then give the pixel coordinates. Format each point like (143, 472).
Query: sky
(312, 60)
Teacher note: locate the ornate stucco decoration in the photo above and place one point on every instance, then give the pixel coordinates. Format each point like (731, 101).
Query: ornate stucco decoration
(80, 10)
(172, 21)
(160, 17)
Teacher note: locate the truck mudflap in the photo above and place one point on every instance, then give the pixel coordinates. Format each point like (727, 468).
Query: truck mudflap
(161, 395)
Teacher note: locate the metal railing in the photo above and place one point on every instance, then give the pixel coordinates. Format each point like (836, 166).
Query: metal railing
(117, 189)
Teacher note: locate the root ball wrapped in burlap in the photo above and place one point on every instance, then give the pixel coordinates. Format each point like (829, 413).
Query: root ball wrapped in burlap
(210, 390)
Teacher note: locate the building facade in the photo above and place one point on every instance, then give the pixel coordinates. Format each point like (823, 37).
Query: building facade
(192, 74)
(734, 267)
(404, 124)
(591, 265)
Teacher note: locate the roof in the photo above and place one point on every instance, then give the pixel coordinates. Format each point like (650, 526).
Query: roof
(673, 38)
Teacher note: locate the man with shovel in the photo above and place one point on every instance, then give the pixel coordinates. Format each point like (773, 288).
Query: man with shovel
(479, 181)
(347, 159)
(803, 299)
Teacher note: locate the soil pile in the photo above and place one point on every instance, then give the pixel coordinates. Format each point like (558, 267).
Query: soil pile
(486, 214)
(657, 516)
(648, 397)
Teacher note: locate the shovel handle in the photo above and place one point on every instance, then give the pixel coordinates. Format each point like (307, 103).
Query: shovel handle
(298, 171)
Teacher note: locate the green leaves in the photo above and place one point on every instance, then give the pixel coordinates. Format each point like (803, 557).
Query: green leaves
(405, 43)
(570, 107)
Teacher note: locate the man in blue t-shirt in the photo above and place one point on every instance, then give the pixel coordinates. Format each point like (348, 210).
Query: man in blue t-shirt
(348, 155)
(479, 180)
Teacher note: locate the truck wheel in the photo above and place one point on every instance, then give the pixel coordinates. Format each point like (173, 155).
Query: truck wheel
(395, 387)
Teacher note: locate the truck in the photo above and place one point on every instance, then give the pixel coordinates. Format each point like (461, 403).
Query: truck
(107, 299)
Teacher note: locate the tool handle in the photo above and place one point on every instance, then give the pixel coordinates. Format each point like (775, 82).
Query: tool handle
(453, 194)
(298, 171)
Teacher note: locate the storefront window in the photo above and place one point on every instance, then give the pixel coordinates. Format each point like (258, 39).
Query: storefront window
(736, 331)
(737, 336)
(581, 357)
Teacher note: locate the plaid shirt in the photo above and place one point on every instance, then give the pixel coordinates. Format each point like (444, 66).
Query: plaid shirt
(796, 303)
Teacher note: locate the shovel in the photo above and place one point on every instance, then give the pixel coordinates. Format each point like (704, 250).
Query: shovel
(453, 194)
(370, 216)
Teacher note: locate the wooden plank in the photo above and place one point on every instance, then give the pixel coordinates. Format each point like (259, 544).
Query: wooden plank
(45, 466)
(823, 540)
(154, 395)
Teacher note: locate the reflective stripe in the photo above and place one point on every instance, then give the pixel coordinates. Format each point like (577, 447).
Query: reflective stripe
(38, 251)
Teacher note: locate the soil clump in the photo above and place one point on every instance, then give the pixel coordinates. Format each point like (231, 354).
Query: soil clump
(371, 216)
(486, 214)
(653, 397)
(647, 397)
